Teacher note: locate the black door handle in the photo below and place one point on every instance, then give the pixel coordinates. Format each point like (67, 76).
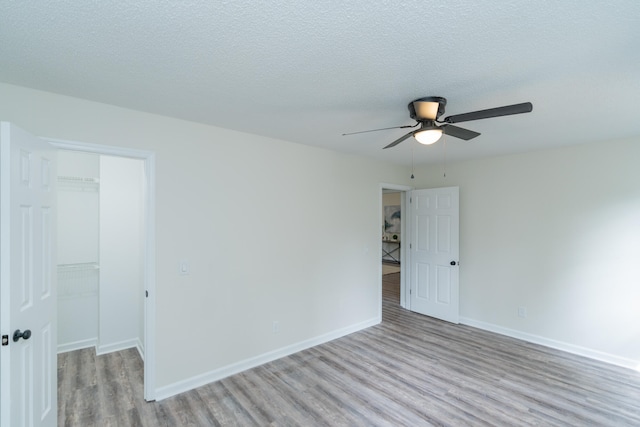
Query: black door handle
(453, 263)
(24, 335)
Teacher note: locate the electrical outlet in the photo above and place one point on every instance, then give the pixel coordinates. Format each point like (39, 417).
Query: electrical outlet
(522, 312)
(276, 327)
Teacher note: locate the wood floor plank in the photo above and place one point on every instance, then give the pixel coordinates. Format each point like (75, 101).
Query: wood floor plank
(410, 370)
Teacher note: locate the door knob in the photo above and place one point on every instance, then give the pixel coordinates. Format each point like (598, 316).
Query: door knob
(453, 263)
(24, 335)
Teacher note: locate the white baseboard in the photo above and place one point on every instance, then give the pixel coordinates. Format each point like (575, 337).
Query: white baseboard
(140, 348)
(117, 346)
(102, 349)
(558, 345)
(225, 371)
(77, 345)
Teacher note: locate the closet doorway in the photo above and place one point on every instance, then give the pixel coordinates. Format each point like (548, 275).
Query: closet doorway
(100, 264)
(106, 256)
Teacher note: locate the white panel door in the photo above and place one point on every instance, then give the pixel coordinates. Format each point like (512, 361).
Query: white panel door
(434, 252)
(27, 268)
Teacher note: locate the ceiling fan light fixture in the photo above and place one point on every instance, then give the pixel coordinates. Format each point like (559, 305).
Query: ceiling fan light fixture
(428, 136)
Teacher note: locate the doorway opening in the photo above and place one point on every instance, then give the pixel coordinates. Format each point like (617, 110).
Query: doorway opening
(109, 268)
(394, 243)
(100, 223)
(391, 244)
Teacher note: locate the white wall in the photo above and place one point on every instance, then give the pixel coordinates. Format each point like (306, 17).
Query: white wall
(556, 232)
(121, 284)
(78, 231)
(233, 204)
(78, 209)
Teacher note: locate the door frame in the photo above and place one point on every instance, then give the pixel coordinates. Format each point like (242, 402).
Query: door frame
(404, 253)
(149, 247)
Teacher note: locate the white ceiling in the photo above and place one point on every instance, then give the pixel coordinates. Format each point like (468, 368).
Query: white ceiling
(308, 71)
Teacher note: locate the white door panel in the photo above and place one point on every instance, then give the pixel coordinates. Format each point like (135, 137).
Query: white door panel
(434, 246)
(28, 364)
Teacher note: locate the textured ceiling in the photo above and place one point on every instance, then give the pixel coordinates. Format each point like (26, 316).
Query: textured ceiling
(308, 71)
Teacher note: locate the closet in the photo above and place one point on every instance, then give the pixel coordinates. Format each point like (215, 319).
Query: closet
(100, 259)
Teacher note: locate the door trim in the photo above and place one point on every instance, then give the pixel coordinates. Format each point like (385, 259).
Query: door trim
(404, 253)
(149, 244)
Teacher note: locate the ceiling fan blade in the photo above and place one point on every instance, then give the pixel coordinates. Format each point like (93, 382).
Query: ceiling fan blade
(525, 107)
(459, 132)
(376, 130)
(399, 140)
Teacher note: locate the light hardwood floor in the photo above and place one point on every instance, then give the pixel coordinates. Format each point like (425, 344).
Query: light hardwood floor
(410, 370)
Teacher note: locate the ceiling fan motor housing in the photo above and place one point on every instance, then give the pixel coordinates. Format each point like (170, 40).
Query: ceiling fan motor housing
(427, 108)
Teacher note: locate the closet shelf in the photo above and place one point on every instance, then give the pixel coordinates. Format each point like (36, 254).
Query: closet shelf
(75, 183)
(75, 280)
(78, 266)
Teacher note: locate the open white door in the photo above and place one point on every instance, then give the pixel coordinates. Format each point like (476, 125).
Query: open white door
(434, 252)
(28, 395)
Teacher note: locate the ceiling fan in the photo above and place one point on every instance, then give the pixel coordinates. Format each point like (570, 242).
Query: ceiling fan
(427, 111)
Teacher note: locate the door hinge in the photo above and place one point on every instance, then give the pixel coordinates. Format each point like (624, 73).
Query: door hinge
(146, 294)
(5, 340)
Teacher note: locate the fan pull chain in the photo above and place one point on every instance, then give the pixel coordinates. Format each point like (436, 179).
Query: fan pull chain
(444, 148)
(412, 144)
